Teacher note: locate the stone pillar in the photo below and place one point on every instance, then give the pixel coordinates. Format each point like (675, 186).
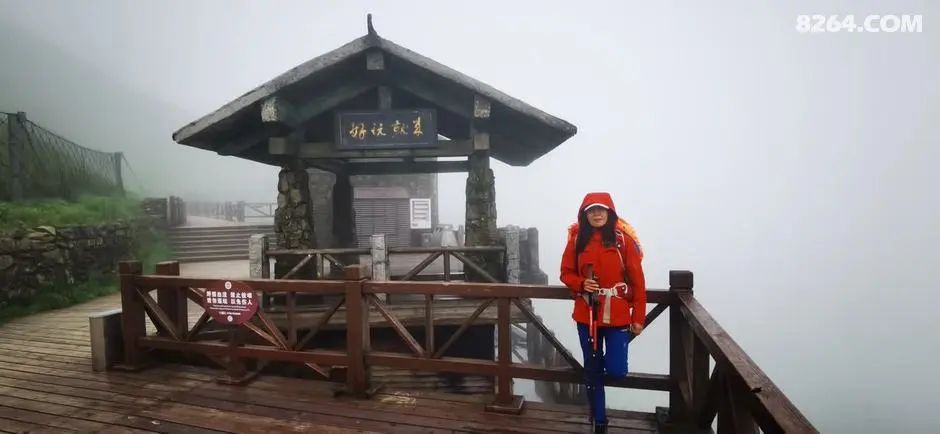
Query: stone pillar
(481, 192)
(293, 223)
(513, 254)
(258, 256)
(481, 212)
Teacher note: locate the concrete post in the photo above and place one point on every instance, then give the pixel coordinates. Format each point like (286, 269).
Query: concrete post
(513, 255)
(258, 267)
(380, 264)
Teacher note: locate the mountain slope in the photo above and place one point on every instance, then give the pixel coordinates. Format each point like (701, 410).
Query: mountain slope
(82, 103)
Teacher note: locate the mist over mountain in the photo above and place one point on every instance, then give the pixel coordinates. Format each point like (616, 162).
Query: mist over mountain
(83, 103)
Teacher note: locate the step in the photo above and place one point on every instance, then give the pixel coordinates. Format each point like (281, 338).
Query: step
(221, 233)
(208, 238)
(218, 234)
(222, 228)
(241, 244)
(212, 258)
(197, 249)
(186, 255)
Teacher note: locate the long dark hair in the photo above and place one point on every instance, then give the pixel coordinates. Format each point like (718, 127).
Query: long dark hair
(608, 232)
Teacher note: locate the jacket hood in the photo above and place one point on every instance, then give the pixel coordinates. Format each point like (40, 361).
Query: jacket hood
(601, 198)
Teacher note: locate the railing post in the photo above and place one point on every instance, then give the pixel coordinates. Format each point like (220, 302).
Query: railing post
(357, 333)
(680, 352)
(16, 144)
(133, 325)
(118, 178)
(505, 401)
(236, 373)
(258, 267)
(172, 300)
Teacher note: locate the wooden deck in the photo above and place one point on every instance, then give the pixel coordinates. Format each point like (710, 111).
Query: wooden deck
(47, 385)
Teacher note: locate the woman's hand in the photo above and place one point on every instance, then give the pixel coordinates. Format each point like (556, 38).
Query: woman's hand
(636, 328)
(590, 285)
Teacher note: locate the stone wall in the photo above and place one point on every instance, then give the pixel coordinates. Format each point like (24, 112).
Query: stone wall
(33, 259)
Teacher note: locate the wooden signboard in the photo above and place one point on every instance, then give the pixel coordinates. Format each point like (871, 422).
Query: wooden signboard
(386, 129)
(230, 302)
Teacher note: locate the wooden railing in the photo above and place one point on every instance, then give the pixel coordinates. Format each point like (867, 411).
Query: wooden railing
(258, 209)
(736, 390)
(316, 259)
(381, 260)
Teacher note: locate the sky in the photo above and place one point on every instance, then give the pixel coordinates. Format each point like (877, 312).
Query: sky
(791, 172)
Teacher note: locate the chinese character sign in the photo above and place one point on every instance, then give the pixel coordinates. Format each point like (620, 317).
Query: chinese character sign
(386, 129)
(230, 302)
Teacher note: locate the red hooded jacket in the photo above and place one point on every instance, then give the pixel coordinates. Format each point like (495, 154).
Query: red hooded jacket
(613, 266)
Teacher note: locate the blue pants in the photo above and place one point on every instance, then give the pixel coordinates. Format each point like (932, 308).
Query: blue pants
(611, 359)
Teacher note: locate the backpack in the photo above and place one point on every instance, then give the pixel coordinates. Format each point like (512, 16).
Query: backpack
(624, 229)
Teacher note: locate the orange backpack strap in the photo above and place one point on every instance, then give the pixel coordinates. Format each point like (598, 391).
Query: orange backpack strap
(627, 230)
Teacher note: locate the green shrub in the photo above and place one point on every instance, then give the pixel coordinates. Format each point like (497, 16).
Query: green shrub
(87, 210)
(56, 297)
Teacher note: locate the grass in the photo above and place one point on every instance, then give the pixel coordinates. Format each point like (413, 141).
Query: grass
(86, 210)
(57, 297)
(150, 246)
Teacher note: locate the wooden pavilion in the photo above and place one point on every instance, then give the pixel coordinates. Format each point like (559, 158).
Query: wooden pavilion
(374, 107)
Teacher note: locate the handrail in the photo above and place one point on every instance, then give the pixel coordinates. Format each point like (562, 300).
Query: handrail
(314, 258)
(737, 391)
(304, 252)
(774, 412)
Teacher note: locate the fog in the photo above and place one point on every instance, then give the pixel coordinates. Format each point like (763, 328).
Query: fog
(791, 172)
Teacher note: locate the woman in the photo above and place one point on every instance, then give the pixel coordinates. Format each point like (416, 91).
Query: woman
(602, 263)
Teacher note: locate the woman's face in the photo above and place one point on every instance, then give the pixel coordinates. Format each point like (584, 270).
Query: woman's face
(597, 216)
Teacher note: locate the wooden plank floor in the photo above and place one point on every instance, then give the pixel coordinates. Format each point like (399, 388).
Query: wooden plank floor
(47, 385)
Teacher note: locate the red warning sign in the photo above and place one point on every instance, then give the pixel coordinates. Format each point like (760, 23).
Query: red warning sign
(230, 302)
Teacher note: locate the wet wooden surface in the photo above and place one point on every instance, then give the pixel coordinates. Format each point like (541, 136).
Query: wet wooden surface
(47, 385)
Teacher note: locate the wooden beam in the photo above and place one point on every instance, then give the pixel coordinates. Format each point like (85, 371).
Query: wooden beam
(331, 98)
(479, 127)
(282, 146)
(481, 107)
(419, 88)
(375, 60)
(446, 148)
(241, 144)
(408, 167)
(460, 365)
(397, 326)
(277, 110)
(337, 167)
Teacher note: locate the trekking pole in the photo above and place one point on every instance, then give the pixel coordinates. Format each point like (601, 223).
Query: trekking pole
(592, 341)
